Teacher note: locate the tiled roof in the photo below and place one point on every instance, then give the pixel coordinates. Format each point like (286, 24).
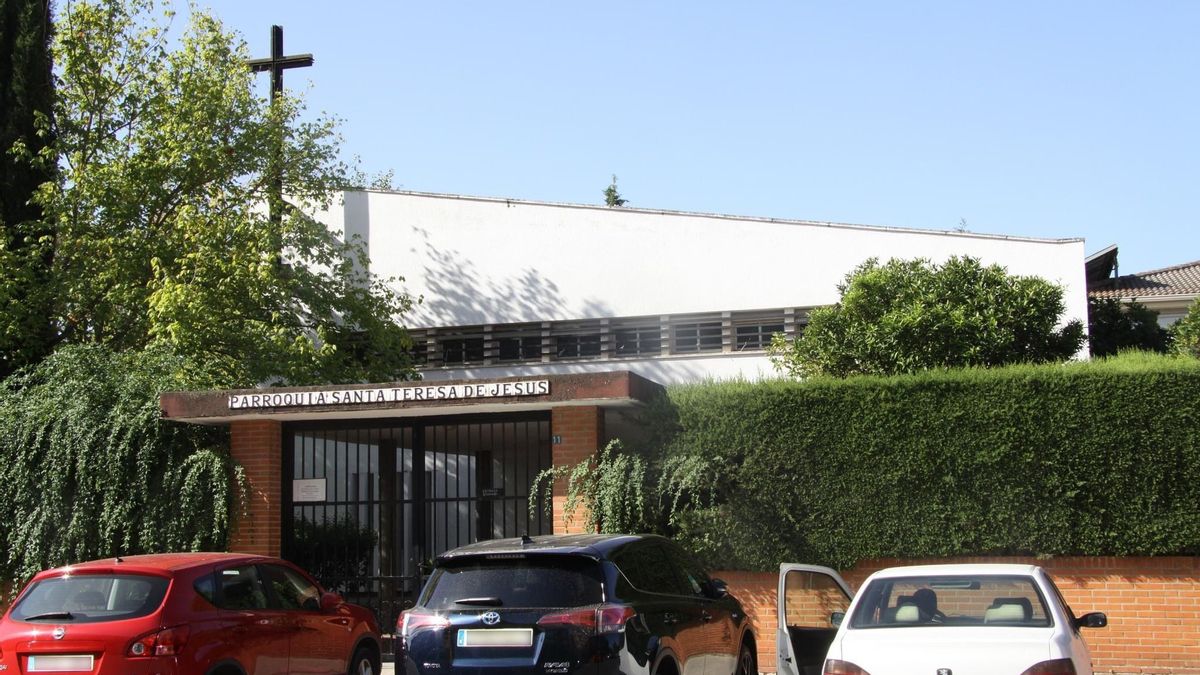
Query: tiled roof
(1177, 280)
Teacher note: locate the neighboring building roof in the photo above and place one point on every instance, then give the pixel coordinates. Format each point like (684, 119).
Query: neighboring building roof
(1176, 280)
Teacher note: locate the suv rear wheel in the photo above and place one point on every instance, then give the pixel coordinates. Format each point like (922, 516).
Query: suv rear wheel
(745, 664)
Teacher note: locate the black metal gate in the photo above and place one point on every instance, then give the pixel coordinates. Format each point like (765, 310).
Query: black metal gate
(368, 504)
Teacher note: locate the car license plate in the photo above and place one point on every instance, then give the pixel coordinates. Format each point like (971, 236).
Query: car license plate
(59, 663)
(495, 637)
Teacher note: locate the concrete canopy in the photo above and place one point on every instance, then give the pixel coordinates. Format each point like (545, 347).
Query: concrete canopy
(613, 389)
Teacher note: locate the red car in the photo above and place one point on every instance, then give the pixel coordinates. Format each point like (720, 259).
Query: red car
(185, 614)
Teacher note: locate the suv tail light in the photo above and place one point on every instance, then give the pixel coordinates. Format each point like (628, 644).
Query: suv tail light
(1055, 667)
(602, 620)
(411, 621)
(836, 667)
(165, 642)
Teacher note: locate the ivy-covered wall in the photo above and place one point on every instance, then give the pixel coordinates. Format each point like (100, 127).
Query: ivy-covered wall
(89, 469)
(1099, 458)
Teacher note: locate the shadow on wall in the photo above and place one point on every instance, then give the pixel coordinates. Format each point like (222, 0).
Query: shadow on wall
(458, 294)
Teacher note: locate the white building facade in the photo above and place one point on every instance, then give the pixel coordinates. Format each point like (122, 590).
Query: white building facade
(513, 287)
(544, 329)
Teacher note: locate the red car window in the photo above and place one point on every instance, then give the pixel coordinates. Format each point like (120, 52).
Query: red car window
(292, 590)
(241, 588)
(89, 598)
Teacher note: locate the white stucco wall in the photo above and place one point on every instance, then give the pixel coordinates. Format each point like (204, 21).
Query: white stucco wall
(478, 260)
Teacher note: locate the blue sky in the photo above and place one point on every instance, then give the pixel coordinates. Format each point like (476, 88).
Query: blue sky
(1051, 119)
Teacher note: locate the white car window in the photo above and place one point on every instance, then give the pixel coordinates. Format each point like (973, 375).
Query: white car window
(997, 600)
(810, 599)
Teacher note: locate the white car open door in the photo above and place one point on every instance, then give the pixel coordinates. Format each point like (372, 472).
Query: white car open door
(811, 602)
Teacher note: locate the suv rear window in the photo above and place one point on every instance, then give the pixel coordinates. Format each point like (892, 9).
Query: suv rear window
(541, 581)
(90, 598)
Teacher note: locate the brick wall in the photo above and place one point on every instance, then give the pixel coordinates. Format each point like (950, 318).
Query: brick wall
(256, 446)
(756, 591)
(1153, 607)
(579, 430)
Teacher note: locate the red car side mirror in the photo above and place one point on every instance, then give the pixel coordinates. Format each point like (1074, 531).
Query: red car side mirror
(330, 601)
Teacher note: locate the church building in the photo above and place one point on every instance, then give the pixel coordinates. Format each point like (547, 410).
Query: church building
(542, 329)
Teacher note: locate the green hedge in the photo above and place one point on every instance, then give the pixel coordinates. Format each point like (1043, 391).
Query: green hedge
(1099, 458)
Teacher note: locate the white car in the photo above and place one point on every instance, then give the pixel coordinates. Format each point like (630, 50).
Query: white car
(930, 620)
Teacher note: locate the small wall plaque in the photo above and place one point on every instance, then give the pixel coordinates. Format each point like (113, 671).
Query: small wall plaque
(308, 490)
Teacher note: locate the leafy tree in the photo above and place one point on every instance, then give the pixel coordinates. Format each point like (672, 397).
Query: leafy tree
(611, 196)
(26, 97)
(166, 158)
(1185, 333)
(909, 315)
(1114, 326)
(88, 469)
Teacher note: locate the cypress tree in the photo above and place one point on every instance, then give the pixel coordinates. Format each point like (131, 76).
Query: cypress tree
(26, 250)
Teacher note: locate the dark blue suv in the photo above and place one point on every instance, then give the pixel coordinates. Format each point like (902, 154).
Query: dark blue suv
(575, 604)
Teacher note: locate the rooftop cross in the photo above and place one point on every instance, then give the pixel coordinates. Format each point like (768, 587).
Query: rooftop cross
(277, 63)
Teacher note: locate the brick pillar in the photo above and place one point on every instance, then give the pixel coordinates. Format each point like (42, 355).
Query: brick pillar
(256, 445)
(580, 430)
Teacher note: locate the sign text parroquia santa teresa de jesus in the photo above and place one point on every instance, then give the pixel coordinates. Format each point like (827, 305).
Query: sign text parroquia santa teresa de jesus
(433, 392)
